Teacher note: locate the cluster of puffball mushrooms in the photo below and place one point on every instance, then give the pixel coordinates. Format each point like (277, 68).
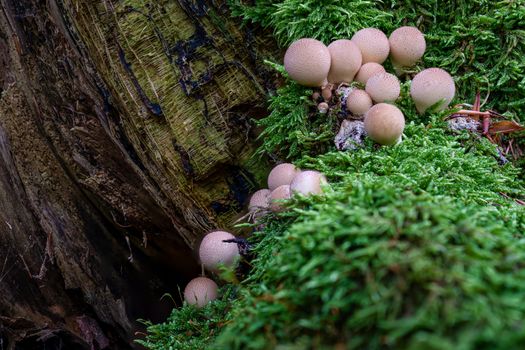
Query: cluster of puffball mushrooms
(334, 68)
(219, 249)
(344, 65)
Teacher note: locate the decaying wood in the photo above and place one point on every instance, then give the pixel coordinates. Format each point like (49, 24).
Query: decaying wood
(123, 138)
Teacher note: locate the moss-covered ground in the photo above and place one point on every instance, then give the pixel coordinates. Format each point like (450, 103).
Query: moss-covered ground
(417, 246)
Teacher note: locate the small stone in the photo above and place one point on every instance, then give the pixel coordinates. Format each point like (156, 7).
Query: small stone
(464, 123)
(351, 135)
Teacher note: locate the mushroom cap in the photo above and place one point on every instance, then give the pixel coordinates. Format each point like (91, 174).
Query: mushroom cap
(307, 61)
(326, 92)
(280, 193)
(282, 174)
(407, 46)
(323, 107)
(431, 86)
(373, 44)
(345, 61)
(199, 291)
(383, 87)
(367, 70)
(213, 252)
(384, 123)
(260, 199)
(308, 182)
(358, 102)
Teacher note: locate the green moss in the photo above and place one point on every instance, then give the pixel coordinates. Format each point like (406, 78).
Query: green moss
(417, 246)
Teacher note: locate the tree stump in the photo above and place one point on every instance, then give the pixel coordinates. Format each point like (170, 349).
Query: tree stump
(125, 132)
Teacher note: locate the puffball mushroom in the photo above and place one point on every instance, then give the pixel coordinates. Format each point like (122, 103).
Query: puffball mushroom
(307, 61)
(358, 102)
(431, 86)
(280, 193)
(308, 182)
(260, 200)
(373, 44)
(384, 123)
(345, 61)
(213, 252)
(200, 291)
(383, 87)
(282, 174)
(407, 46)
(323, 107)
(367, 70)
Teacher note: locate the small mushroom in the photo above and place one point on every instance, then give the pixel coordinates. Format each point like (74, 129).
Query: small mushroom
(259, 202)
(277, 195)
(326, 92)
(214, 252)
(282, 174)
(367, 70)
(308, 182)
(373, 44)
(200, 291)
(345, 61)
(383, 87)
(358, 102)
(407, 46)
(384, 123)
(433, 86)
(323, 107)
(307, 61)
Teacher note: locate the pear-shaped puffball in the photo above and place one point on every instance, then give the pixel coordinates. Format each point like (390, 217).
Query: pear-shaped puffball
(260, 200)
(358, 102)
(346, 61)
(367, 70)
(431, 86)
(277, 195)
(200, 291)
(213, 252)
(383, 87)
(407, 46)
(384, 123)
(373, 44)
(307, 61)
(308, 182)
(282, 174)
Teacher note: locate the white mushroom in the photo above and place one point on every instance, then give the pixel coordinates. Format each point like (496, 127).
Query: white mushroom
(384, 123)
(383, 87)
(367, 70)
(282, 174)
(358, 102)
(199, 291)
(345, 61)
(308, 182)
(307, 61)
(214, 252)
(373, 44)
(407, 46)
(433, 86)
(277, 195)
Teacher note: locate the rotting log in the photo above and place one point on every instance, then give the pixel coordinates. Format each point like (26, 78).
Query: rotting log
(124, 137)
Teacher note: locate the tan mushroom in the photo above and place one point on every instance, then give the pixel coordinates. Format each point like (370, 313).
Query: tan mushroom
(282, 174)
(384, 123)
(367, 70)
(345, 61)
(307, 61)
(383, 87)
(214, 252)
(277, 196)
(433, 86)
(308, 182)
(358, 102)
(407, 46)
(200, 291)
(373, 44)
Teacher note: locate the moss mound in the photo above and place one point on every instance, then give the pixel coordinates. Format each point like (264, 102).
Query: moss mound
(418, 246)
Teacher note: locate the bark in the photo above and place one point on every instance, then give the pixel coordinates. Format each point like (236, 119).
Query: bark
(124, 137)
